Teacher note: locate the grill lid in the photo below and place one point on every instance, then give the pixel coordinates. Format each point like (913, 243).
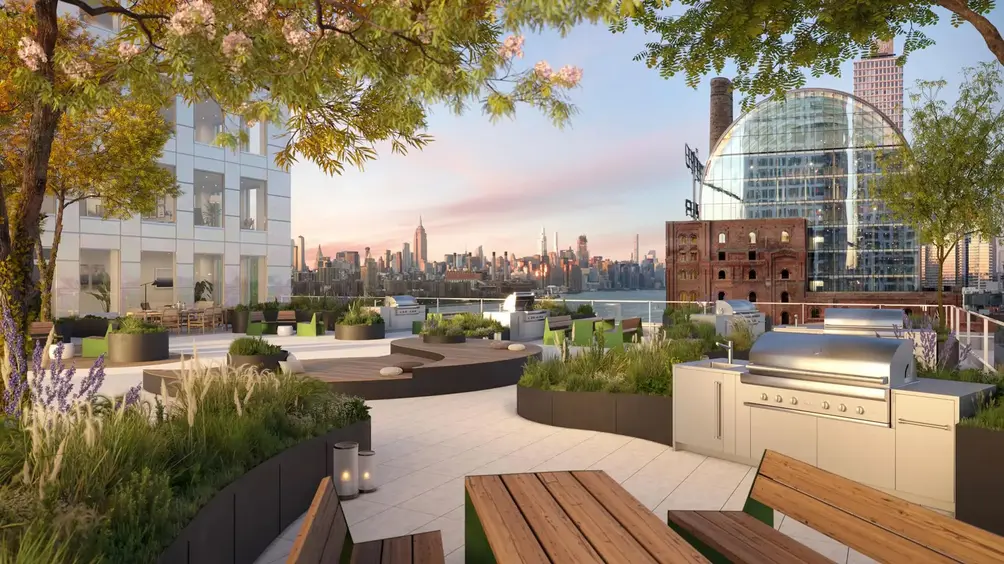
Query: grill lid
(868, 361)
(397, 301)
(518, 301)
(732, 307)
(862, 318)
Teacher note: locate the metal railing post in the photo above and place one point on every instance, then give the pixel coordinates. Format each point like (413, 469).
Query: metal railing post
(986, 342)
(969, 328)
(650, 312)
(437, 305)
(482, 304)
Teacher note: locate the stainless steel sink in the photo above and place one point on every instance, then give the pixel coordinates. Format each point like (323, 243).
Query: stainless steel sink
(725, 365)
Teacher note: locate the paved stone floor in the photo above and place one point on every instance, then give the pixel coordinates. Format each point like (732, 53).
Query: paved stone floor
(425, 446)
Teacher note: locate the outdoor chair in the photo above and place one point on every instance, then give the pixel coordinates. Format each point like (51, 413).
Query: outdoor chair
(554, 336)
(256, 324)
(93, 347)
(171, 319)
(582, 332)
(200, 320)
(309, 328)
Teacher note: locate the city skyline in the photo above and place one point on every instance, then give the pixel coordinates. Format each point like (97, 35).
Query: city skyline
(496, 185)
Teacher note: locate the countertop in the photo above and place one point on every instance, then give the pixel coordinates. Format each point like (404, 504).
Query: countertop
(951, 388)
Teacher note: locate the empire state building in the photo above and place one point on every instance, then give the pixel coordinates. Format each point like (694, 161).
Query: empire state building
(421, 244)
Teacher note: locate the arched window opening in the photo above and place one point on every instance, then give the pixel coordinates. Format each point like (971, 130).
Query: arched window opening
(721, 238)
(785, 238)
(721, 295)
(784, 297)
(752, 296)
(784, 318)
(752, 275)
(752, 238)
(721, 275)
(784, 274)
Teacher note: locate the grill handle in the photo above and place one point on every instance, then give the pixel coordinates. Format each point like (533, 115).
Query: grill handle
(902, 421)
(811, 374)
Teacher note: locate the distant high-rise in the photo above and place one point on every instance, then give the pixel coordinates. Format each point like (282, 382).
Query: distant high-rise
(557, 250)
(320, 257)
(406, 260)
(543, 243)
(637, 254)
(303, 255)
(582, 252)
(421, 244)
(878, 80)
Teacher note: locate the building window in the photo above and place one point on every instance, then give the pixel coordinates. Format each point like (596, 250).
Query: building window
(208, 122)
(784, 297)
(721, 255)
(752, 296)
(255, 143)
(253, 198)
(721, 238)
(752, 238)
(721, 275)
(693, 256)
(785, 238)
(752, 274)
(721, 295)
(752, 255)
(104, 21)
(693, 239)
(208, 195)
(208, 271)
(170, 113)
(92, 207)
(784, 318)
(165, 207)
(784, 274)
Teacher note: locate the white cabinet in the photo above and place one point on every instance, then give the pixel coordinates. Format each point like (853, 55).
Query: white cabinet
(925, 446)
(704, 410)
(858, 451)
(789, 433)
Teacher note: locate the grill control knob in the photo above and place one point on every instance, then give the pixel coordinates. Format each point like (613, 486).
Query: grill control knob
(825, 405)
(778, 398)
(794, 401)
(763, 397)
(860, 410)
(842, 407)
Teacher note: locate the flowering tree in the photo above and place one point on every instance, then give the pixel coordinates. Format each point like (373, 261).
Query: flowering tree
(339, 75)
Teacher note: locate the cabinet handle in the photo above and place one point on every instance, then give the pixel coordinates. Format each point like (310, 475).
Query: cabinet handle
(718, 410)
(922, 424)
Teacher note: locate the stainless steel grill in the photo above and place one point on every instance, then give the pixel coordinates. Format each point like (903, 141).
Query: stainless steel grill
(518, 301)
(863, 319)
(851, 374)
(739, 308)
(400, 301)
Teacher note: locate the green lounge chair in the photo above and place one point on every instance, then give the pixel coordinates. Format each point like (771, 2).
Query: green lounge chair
(416, 327)
(94, 347)
(555, 336)
(256, 324)
(582, 332)
(309, 328)
(613, 339)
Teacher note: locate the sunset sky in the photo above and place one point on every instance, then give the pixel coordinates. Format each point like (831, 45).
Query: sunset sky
(617, 171)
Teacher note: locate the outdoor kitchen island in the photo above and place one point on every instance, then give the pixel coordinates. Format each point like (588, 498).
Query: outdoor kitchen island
(851, 405)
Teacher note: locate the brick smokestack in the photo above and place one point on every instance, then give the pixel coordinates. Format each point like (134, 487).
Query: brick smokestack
(721, 109)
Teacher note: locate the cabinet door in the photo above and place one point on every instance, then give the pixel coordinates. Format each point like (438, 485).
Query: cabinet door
(791, 434)
(858, 451)
(925, 459)
(697, 410)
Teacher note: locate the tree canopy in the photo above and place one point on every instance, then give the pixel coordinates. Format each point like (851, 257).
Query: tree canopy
(773, 43)
(950, 182)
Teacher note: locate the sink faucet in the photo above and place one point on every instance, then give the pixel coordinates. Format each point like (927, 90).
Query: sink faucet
(728, 347)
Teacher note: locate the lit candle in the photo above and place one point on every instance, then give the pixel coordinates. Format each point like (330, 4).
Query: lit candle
(346, 467)
(366, 483)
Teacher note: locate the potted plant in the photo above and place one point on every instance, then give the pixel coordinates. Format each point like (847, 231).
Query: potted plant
(135, 340)
(239, 318)
(437, 331)
(255, 351)
(331, 309)
(103, 293)
(360, 324)
(979, 450)
(270, 310)
(584, 311)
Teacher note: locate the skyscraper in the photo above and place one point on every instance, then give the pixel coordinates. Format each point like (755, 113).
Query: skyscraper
(557, 250)
(406, 262)
(582, 253)
(637, 255)
(303, 255)
(543, 243)
(421, 244)
(878, 80)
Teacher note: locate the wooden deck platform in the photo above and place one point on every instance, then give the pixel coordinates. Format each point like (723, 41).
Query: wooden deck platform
(445, 369)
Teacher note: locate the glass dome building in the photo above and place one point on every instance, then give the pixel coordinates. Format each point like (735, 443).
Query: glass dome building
(812, 154)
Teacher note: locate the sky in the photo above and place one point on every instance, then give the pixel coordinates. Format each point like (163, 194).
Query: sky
(616, 172)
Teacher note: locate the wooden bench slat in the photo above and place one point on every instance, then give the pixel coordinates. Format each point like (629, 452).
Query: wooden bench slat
(313, 535)
(337, 534)
(606, 535)
(861, 535)
(659, 540)
(396, 550)
(950, 537)
(509, 535)
(741, 538)
(557, 534)
(367, 552)
(427, 548)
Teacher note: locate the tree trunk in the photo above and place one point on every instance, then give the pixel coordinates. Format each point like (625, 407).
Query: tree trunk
(47, 268)
(941, 284)
(986, 28)
(17, 239)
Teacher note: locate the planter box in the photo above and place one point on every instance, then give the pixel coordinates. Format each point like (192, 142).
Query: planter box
(143, 347)
(82, 327)
(444, 339)
(948, 353)
(360, 332)
(239, 321)
(240, 522)
(263, 361)
(632, 415)
(329, 317)
(979, 499)
(270, 314)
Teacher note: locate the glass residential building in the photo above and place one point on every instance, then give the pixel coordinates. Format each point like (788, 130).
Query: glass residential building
(812, 154)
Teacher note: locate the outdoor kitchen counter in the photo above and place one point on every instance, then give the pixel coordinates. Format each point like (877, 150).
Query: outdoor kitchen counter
(951, 388)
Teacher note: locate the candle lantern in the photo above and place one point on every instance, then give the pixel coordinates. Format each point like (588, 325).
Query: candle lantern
(346, 470)
(366, 478)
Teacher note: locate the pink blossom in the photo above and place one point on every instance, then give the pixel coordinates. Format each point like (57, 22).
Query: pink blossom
(297, 37)
(128, 50)
(258, 9)
(511, 47)
(31, 53)
(568, 76)
(77, 69)
(344, 23)
(402, 3)
(235, 44)
(543, 70)
(191, 16)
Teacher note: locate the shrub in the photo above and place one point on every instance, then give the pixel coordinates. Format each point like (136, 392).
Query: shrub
(136, 326)
(585, 310)
(358, 314)
(270, 306)
(253, 346)
(741, 335)
(554, 308)
(468, 324)
(240, 307)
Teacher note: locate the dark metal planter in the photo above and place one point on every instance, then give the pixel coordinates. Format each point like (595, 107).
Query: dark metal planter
(979, 499)
(141, 347)
(633, 415)
(263, 361)
(240, 522)
(270, 314)
(329, 317)
(82, 327)
(444, 339)
(239, 321)
(360, 332)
